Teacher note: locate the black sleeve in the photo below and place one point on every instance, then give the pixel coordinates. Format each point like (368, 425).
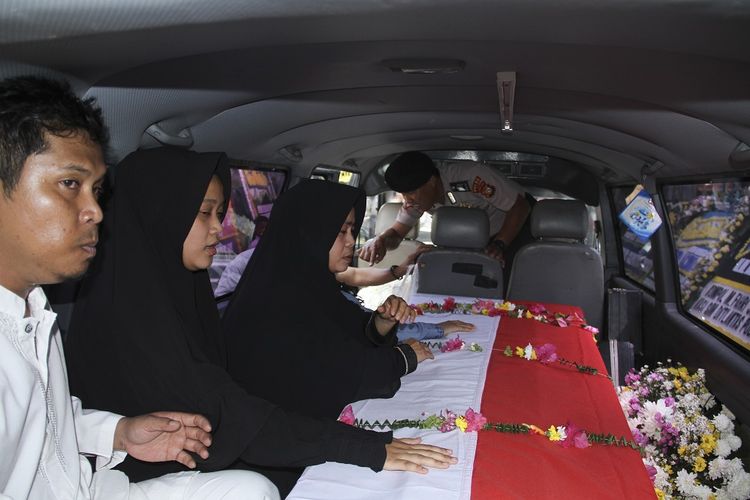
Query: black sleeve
(372, 334)
(288, 439)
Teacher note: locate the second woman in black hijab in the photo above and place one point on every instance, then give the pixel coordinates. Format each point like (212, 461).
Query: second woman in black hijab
(292, 337)
(145, 331)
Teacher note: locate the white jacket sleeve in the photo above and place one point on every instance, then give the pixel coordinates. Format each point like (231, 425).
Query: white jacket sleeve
(95, 431)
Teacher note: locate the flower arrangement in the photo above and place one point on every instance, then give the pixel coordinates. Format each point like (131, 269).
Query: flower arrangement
(455, 344)
(687, 438)
(491, 308)
(546, 354)
(567, 436)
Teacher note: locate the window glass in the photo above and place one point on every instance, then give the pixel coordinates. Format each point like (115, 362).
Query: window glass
(711, 233)
(253, 194)
(637, 254)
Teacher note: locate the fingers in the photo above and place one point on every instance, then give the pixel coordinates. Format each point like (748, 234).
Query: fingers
(185, 459)
(161, 422)
(396, 309)
(373, 251)
(198, 434)
(407, 455)
(453, 326)
(196, 447)
(188, 419)
(412, 444)
(422, 351)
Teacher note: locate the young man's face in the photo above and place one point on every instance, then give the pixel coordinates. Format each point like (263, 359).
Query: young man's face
(49, 224)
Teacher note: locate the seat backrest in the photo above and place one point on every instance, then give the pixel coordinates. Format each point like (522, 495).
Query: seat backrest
(459, 266)
(385, 219)
(558, 267)
(387, 216)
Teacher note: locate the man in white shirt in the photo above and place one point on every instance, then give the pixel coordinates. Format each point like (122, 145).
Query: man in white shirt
(51, 173)
(425, 187)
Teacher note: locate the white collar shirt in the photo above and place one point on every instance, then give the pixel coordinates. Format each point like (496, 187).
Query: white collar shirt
(475, 185)
(44, 432)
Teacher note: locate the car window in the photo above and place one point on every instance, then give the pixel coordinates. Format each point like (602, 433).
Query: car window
(253, 194)
(637, 255)
(710, 230)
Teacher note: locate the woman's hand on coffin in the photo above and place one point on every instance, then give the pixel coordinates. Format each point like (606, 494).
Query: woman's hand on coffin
(421, 350)
(409, 454)
(456, 325)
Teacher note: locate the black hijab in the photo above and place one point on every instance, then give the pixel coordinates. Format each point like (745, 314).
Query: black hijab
(145, 331)
(291, 336)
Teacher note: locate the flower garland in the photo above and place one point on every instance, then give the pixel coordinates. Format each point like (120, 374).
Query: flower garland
(455, 344)
(568, 435)
(687, 439)
(547, 354)
(491, 308)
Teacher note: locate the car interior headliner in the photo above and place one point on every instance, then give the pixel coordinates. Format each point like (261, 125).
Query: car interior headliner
(606, 87)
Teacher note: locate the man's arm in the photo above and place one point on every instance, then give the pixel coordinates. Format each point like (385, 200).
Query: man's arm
(372, 276)
(375, 249)
(514, 220)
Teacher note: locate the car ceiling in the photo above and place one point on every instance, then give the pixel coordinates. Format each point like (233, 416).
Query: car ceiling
(610, 86)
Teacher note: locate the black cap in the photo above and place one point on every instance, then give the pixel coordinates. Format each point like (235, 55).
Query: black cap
(410, 171)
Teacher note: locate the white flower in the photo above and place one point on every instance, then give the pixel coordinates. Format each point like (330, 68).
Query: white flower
(734, 442)
(528, 352)
(685, 481)
(661, 479)
(739, 487)
(702, 492)
(723, 468)
(650, 409)
(723, 423)
(723, 448)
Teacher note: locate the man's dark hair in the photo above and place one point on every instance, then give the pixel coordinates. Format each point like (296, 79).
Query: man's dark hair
(30, 107)
(410, 171)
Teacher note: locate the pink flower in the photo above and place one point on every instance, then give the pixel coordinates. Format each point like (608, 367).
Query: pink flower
(546, 354)
(449, 304)
(452, 345)
(575, 436)
(449, 422)
(537, 309)
(475, 420)
(561, 322)
(347, 415)
(632, 377)
(591, 329)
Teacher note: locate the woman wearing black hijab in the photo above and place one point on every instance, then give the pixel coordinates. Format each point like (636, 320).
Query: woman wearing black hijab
(292, 337)
(145, 331)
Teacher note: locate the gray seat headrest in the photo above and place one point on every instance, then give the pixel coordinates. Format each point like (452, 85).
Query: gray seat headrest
(566, 219)
(387, 216)
(460, 227)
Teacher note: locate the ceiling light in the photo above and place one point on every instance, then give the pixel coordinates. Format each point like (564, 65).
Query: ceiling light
(425, 66)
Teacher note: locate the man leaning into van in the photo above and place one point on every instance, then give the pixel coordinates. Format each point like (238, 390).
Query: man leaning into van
(425, 187)
(51, 172)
